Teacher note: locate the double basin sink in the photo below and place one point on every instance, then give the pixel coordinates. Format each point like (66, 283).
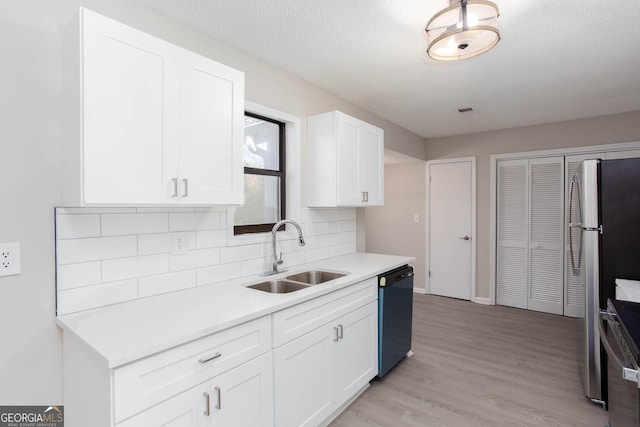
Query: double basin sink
(296, 282)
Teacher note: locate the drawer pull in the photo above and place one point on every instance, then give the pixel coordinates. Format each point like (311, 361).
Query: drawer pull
(209, 358)
(218, 405)
(207, 411)
(340, 332)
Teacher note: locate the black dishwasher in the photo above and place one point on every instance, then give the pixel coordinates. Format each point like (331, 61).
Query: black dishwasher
(395, 313)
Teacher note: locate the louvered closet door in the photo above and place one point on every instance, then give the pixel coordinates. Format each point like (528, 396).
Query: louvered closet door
(574, 269)
(546, 235)
(512, 233)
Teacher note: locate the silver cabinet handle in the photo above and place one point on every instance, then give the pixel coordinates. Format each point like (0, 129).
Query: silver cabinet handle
(337, 338)
(175, 187)
(206, 359)
(465, 238)
(185, 183)
(207, 411)
(218, 405)
(363, 198)
(340, 332)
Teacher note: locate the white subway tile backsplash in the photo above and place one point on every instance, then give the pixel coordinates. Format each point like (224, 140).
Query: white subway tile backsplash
(211, 239)
(150, 244)
(239, 253)
(138, 223)
(77, 226)
(347, 214)
(347, 226)
(85, 298)
(195, 259)
(128, 268)
(219, 273)
(165, 283)
(328, 240)
(195, 221)
(95, 249)
(77, 275)
(318, 254)
(110, 255)
(256, 266)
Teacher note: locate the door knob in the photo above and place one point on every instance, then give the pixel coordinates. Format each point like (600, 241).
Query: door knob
(465, 238)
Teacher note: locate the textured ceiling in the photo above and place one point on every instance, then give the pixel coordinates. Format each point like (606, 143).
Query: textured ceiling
(557, 60)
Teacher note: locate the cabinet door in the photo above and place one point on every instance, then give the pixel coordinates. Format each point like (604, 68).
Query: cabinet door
(512, 233)
(348, 154)
(211, 131)
(546, 235)
(244, 395)
(356, 353)
(186, 409)
(303, 379)
(371, 150)
(129, 92)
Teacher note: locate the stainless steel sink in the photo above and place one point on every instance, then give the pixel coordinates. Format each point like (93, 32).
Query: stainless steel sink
(315, 277)
(278, 286)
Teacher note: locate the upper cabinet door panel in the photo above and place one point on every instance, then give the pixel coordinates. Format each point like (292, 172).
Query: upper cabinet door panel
(211, 115)
(371, 157)
(129, 89)
(349, 134)
(345, 161)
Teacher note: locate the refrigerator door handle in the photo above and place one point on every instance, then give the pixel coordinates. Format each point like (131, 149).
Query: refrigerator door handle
(575, 184)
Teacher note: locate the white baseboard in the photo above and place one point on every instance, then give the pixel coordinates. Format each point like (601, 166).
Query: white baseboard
(419, 291)
(483, 301)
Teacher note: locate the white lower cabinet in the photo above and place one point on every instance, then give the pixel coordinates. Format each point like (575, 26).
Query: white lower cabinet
(323, 369)
(296, 367)
(242, 396)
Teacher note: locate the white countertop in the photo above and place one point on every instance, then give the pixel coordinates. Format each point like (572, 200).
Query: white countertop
(628, 290)
(122, 333)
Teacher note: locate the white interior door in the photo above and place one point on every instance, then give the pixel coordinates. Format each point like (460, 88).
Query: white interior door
(451, 229)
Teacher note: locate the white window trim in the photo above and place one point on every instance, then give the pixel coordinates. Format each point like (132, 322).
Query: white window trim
(292, 177)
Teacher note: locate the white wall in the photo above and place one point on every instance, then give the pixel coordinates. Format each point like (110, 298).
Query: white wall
(390, 229)
(30, 33)
(576, 133)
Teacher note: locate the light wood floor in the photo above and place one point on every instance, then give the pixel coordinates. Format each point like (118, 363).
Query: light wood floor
(477, 365)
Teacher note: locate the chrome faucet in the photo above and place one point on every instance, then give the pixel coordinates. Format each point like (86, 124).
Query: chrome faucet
(278, 260)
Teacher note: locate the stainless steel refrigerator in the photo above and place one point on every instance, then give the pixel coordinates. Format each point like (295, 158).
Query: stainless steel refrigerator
(610, 236)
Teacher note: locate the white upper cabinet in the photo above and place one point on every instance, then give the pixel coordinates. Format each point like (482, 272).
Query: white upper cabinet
(345, 161)
(148, 122)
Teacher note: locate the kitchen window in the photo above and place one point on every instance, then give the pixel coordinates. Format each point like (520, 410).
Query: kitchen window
(264, 175)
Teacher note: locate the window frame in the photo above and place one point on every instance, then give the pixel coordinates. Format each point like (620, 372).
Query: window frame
(239, 230)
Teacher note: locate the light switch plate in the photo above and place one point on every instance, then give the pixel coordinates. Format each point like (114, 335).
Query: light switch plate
(9, 258)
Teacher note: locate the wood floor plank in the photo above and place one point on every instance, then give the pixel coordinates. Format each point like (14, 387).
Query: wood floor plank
(476, 365)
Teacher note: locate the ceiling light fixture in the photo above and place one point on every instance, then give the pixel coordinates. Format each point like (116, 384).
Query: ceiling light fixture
(465, 29)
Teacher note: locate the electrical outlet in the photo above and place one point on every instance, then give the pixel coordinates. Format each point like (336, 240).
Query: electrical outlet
(9, 258)
(179, 244)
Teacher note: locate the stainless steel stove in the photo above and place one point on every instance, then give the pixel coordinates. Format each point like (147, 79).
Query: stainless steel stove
(620, 336)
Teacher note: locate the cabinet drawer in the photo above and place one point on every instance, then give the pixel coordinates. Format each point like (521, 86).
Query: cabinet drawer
(298, 320)
(146, 382)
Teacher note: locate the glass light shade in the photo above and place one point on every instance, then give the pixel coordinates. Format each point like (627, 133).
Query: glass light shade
(450, 38)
